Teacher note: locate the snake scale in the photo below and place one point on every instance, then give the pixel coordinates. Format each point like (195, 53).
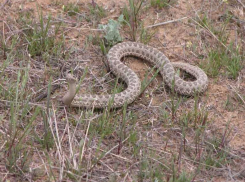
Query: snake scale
(155, 57)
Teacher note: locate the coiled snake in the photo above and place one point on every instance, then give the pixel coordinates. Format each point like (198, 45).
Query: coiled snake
(154, 56)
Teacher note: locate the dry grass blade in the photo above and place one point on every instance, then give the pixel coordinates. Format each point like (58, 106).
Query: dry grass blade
(164, 23)
(243, 5)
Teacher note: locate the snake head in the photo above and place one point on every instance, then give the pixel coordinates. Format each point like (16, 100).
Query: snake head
(69, 96)
(70, 79)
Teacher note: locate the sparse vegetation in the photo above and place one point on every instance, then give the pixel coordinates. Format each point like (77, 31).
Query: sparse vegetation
(133, 21)
(162, 3)
(112, 34)
(228, 60)
(71, 9)
(162, 136)
(145, 35)
(41, 42)
(222, 57)
(132, 17)
(96, 13)
(111, 30)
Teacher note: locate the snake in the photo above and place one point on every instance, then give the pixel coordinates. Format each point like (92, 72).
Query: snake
(133, 90)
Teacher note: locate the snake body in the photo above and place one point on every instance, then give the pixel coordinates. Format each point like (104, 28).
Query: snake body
(154, 56)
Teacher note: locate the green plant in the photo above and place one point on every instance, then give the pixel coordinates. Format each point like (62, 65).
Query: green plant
(112, 34)
(40, 43)
(132, 18)
(111, 29)
(218, 158)
(133, 22)
(96, 13)
(214, 64)
(229, 60)
(229, 105)
(233, 61)
(182, 177)
(19, 124)
(71, 9)
(145, 35)
(221, 58)
(162, 3)
(3, 46)
(97, 10)
(25, 18)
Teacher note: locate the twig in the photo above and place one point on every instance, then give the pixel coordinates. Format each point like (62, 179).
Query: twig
(91, 29)
(207, 28)
(86, 137)
(44, 94)
(228, 152)
(240, 173)
(7, 103)
(118, 156)
(241, 3)
(108, 152)
(167, 22)
(44, 163)
(237, 94)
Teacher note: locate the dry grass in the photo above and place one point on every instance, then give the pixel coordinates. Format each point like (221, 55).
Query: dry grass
(162, 136)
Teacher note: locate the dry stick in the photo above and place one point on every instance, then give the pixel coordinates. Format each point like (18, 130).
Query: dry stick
(60, 152)
(160, 163)
(67, 171)
(6, 103)
(118, 156)
(237, 94)
(206, 27)
(230, 153)
(55, 134)
(167, 22)
(44, 94)
(69, 138)
(91, 29)
(241, 3)
(86, 136)
(240, 173)
(180, 154)
(44, 163)
(109, 151)
(22, 172)
(134, 164)
(204, 164)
